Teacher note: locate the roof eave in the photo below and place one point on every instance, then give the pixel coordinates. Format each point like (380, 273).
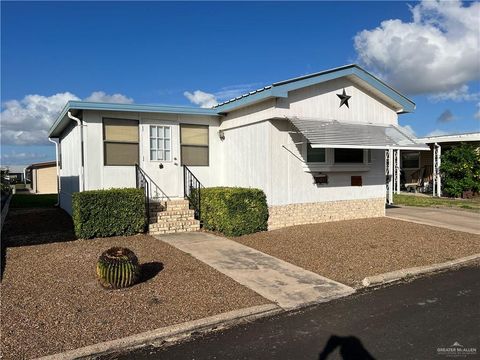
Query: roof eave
(82, 105)
(281, 89)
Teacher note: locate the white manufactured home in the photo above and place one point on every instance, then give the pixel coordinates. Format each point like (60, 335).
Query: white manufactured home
(316, 145)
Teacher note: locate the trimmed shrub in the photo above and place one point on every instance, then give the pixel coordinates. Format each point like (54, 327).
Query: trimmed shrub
(113, 212)
(234, 211)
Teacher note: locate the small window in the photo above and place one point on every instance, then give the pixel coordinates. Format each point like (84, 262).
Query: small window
(120, 142)
(194, 145)
(315, 154)
(348, 156)
(410, 160)
(160, 143)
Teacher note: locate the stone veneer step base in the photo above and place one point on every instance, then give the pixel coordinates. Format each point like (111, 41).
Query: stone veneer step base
(167, 217)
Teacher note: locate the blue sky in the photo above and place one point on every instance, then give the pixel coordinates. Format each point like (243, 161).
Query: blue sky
(194, 54)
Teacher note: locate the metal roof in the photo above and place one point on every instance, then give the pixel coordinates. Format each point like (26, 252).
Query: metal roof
(43, 164)
(336, 134)
(281, 88)
(465, 137)
(277, 89)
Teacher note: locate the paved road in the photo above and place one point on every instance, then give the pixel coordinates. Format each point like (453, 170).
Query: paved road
(404, 321)
(443, 217)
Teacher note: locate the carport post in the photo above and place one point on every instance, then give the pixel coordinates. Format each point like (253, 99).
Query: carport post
(434, 187)
(390, 176)
(397, 171)
(438, 162)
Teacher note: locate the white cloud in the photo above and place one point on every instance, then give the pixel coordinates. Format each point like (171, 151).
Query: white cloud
(201, 98)
(437, 52)
(207, 100)
(27, 121)
(100, 96)
(437, 132)
(459, 94)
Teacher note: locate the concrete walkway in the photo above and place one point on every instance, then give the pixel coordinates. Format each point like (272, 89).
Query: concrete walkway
(442, 217)
(281, 282)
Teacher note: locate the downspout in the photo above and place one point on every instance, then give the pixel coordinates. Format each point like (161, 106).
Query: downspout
(58, 171)
(80, 170)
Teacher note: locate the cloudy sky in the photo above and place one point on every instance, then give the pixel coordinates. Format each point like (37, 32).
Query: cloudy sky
(197, 54)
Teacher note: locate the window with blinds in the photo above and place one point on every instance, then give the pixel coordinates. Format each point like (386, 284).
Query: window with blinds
(194, 145)
(120, 142)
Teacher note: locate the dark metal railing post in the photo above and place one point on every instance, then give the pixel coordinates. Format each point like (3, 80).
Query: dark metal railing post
(139, 181)
(191, 183)
(184, 181)
(147, 202)
(199, 203)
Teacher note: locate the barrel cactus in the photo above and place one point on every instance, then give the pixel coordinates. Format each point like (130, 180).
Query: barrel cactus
(117, 268)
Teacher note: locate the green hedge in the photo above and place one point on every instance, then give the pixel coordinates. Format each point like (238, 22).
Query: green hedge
(234, 211)
(113, 212)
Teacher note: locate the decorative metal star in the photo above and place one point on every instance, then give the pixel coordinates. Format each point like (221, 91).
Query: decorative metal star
(344, 98)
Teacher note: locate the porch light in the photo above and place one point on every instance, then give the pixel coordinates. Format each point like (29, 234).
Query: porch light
(221, 134)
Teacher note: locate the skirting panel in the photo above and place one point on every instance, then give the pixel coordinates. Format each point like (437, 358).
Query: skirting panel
(312, 213)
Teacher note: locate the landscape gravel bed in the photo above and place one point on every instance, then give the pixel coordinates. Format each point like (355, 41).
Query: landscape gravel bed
(348, 251)
(52, 302)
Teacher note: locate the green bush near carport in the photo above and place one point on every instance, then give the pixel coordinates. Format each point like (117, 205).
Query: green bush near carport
(113, 212)
(234, 211)
(461, 170)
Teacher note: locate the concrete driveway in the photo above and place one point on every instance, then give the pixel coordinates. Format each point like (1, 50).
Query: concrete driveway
(442, 217)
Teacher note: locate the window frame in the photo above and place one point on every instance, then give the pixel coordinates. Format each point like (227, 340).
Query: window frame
(163, 139)
(105, 142)
(410, 153)
(330, 157)
(364, 157)
(195, 146)
(315, 162)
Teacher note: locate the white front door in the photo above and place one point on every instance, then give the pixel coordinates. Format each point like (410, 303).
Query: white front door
(160, 157)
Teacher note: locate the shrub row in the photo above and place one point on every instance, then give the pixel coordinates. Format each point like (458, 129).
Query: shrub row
(113, 212)
(234, 211)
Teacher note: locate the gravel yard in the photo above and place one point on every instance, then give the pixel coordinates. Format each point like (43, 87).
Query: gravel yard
(348, 251)
(51, 301)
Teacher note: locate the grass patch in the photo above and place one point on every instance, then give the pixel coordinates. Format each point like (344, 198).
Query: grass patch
(426, 201)
(33, 201)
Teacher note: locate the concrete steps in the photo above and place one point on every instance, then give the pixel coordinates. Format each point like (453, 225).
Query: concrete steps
(167, 217)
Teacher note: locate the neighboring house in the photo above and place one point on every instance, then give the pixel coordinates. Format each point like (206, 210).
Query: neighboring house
(43, 177)
(16, 173)
(419, 167)
(314, 144)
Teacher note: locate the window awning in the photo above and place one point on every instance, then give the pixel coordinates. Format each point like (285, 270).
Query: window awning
(335, 134)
